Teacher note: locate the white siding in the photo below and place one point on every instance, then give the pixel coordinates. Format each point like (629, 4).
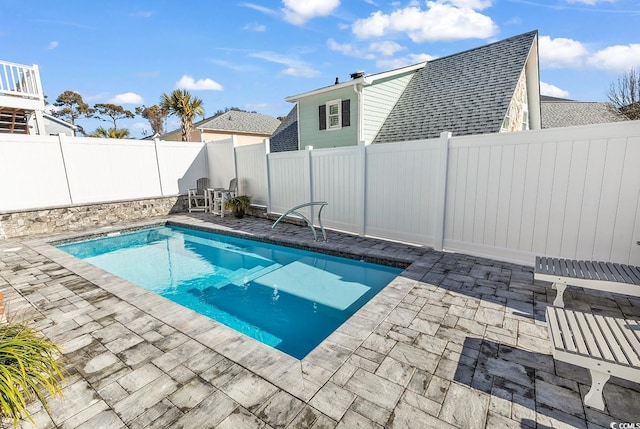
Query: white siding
(308, 126)
(378, 100)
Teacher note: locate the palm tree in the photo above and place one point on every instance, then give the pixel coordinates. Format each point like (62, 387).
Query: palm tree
(111, 133)
(181, 103)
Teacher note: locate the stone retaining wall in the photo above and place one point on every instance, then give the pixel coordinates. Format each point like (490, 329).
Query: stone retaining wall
(60, 219)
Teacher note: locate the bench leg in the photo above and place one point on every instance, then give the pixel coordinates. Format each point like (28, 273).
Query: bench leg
(594, 399)
(560, 287)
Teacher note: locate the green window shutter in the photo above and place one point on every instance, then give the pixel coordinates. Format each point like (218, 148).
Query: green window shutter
(346, 113)
(322, 117)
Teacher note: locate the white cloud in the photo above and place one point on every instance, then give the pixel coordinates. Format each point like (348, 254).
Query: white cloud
(348, 49)
(188, 82)
(127, 98)
(616, 58)
(552, 90)
(442, 20)
(298, 12)
(472, 4)
(386, 48)
(591, 2)
(561, 52)
(96, 97)
(52, 45)
(233, 65)
(568, 53)
(259, 8)
(301, 71)
(395, 63)
(258, 28)
(294, 67)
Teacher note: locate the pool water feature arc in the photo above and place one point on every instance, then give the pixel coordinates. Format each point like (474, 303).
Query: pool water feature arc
(287, 298)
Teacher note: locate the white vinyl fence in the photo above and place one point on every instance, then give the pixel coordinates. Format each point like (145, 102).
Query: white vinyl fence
(220, 159)
(569, 192)
(391, 190)
(52, 171)
(252, 172)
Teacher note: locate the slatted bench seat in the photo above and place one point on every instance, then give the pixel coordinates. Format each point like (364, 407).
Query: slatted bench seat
(604, 345)
(618, 278)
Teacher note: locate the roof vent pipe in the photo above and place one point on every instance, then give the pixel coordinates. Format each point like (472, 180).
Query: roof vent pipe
(337, 81)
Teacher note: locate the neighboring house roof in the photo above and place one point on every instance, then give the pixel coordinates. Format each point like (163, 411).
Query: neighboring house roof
(565, 113)
(60, 122)
(240, 122)
(465, 93)
(359, 77)
(550, 98)
(285, 137)
(234, 122)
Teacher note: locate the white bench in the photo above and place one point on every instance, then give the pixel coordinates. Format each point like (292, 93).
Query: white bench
(618, 278)
(605, 346)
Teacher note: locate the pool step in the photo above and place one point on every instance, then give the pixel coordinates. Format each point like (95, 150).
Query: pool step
(252, 274)
(237, 278)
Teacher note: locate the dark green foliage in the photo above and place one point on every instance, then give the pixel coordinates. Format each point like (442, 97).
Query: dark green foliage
(29, 369)
(155, 115)
(113, 112)
(181, 103)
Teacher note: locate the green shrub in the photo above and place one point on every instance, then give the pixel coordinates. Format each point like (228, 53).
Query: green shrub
(29, 368)
(240, 202)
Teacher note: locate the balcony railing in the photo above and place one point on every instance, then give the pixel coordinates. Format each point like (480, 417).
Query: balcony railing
(20, 80)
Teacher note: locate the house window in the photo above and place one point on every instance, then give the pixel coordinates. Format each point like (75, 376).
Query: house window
(525, 117)
(334, 114)
(333, 117)
(507, 120)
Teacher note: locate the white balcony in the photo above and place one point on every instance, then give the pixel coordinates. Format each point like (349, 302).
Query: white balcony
(21, 96)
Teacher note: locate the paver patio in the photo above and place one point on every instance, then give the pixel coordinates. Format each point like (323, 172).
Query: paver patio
(454, 341)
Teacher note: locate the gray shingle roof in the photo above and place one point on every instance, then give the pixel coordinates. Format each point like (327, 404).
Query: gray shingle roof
(465, 93)
(242, 122)
(568, 113)
(285, 137)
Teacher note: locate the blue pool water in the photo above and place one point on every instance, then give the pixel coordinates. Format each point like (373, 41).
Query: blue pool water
(287, 298)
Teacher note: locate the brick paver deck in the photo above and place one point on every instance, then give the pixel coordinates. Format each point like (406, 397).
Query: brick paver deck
(454, 341)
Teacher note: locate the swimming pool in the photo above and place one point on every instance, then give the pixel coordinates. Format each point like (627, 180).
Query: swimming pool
(287, 298)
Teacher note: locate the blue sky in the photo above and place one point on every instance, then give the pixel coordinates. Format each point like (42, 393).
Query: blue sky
(253, 54)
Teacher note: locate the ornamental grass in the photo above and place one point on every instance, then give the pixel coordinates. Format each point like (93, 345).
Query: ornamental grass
(29, 369)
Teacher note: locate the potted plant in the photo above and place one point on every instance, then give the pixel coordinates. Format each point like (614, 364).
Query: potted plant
(238, 205)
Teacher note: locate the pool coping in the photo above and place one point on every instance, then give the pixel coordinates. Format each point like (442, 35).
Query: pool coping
(301, 378)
